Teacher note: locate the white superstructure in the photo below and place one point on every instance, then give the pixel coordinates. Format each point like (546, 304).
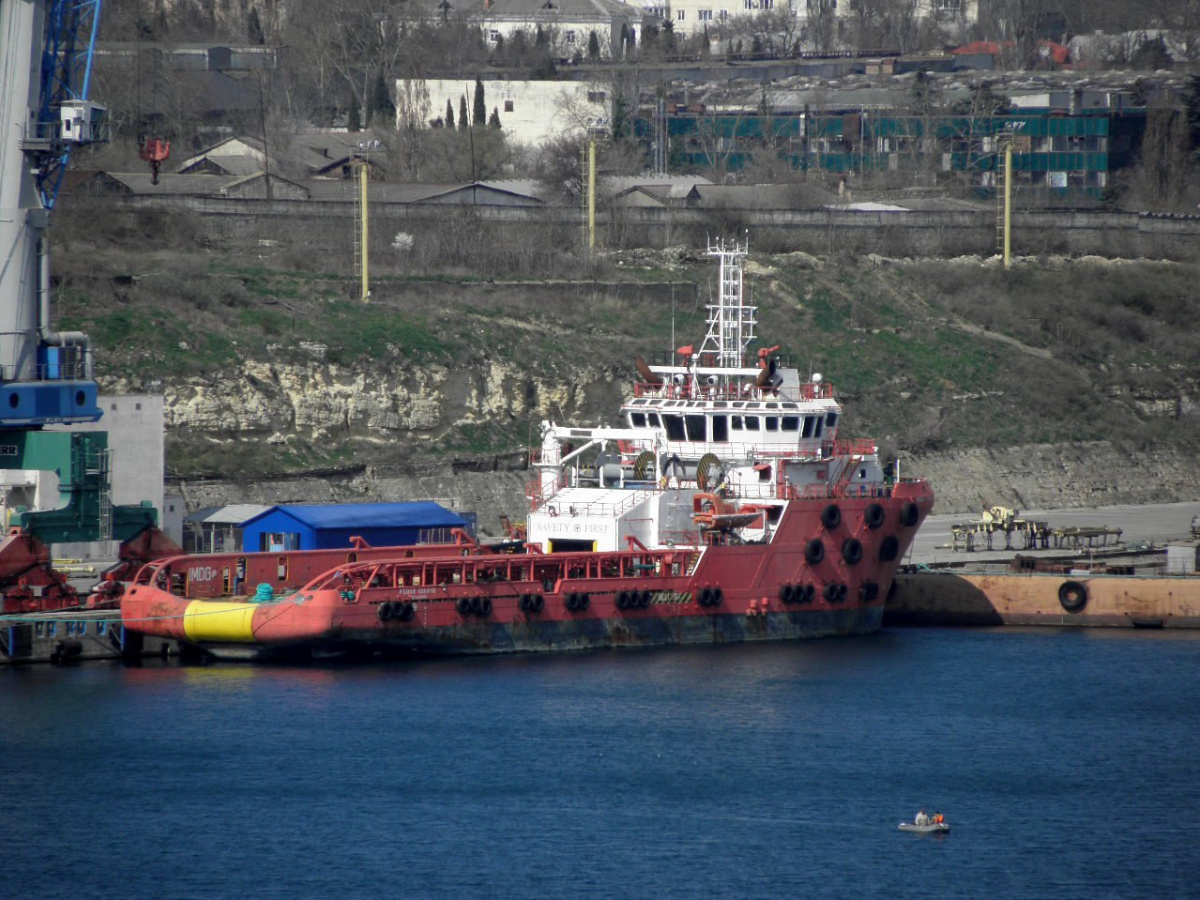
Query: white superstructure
(709, 449)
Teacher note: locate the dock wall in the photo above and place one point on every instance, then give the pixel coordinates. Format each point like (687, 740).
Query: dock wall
(942, 598)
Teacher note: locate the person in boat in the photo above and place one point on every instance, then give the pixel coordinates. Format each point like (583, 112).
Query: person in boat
(938, 818)
(922, 818)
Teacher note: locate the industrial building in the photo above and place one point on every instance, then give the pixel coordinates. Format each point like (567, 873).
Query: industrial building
(330, 526)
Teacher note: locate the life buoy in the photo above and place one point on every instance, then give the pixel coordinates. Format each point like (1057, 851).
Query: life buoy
(889, 549)
(909, 514)
(1073, 596)
(831, 517)
(814, 551)
(852, 551)
(874, 516)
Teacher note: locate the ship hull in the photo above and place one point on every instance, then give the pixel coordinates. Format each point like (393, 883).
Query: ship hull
(550, 603)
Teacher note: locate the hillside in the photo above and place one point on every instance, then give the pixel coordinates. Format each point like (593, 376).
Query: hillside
(271, 366)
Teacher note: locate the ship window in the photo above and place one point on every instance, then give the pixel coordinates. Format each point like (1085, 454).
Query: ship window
(772, 423)
(736, 425)
(653, 419)
(817, 427)
(674, 426)
(808, 427)
(831, 420)
(791, 423)
(772, 406)
(637, 420)
(752, 423)
(720, 428)
(696, 429)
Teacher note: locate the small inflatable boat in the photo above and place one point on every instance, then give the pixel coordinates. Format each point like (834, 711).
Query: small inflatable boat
(931, 828)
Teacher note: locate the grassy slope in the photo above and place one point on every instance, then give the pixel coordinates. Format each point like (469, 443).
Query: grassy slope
(926, 355)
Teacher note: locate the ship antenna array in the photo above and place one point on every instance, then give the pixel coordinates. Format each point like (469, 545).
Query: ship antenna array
(731, 321)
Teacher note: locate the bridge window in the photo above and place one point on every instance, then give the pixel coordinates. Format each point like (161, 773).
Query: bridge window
(720, 428)
(831, 420)
(817, 426)
(674, 426)
(696, 428)
(791, 423)
(637, 420)
(752, 423)
(772, 423)
(737, 423)
(808, 426)
(653, 419)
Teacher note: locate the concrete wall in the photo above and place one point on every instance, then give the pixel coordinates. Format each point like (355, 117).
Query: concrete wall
(817, 231)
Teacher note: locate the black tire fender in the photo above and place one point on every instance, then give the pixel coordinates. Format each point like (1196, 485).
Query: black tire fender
(874, 516)
(852, 551)
(814, 551)
(831, 517)
(889, 548)
(1073, 595)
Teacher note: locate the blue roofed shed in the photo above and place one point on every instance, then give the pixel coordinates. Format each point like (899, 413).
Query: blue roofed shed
(331, 526)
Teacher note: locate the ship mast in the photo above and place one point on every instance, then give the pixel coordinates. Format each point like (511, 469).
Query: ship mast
(731, 321)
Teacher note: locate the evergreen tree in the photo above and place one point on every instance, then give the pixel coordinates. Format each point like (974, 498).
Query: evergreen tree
(494, 121)
(254, 29)
(593, 45)
(463, 122)
(381, 98)
(449, 114)
(479, 110)
(540, 40)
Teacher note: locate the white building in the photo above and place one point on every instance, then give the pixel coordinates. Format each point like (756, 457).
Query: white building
(566, 26)
(693, 16)
(530, 111)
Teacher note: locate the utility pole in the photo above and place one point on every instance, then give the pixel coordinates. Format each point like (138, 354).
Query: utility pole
(362, 232)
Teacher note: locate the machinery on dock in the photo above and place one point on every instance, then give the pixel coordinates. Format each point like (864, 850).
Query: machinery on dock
(46, 378)
(1032, 534)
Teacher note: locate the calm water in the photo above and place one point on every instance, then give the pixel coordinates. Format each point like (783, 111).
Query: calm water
(1065, 762)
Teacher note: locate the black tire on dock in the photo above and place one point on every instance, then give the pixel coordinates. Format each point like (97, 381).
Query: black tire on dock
(1073, 596)
(814, 551)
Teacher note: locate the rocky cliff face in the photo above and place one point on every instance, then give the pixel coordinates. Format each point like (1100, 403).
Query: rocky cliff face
(322, 403)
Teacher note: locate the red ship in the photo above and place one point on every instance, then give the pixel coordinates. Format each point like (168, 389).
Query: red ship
(723, 508)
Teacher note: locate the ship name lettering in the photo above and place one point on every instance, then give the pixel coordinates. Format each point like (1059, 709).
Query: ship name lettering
(201, 573)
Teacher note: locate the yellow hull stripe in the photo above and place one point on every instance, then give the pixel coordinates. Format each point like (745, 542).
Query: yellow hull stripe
(205, 620)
